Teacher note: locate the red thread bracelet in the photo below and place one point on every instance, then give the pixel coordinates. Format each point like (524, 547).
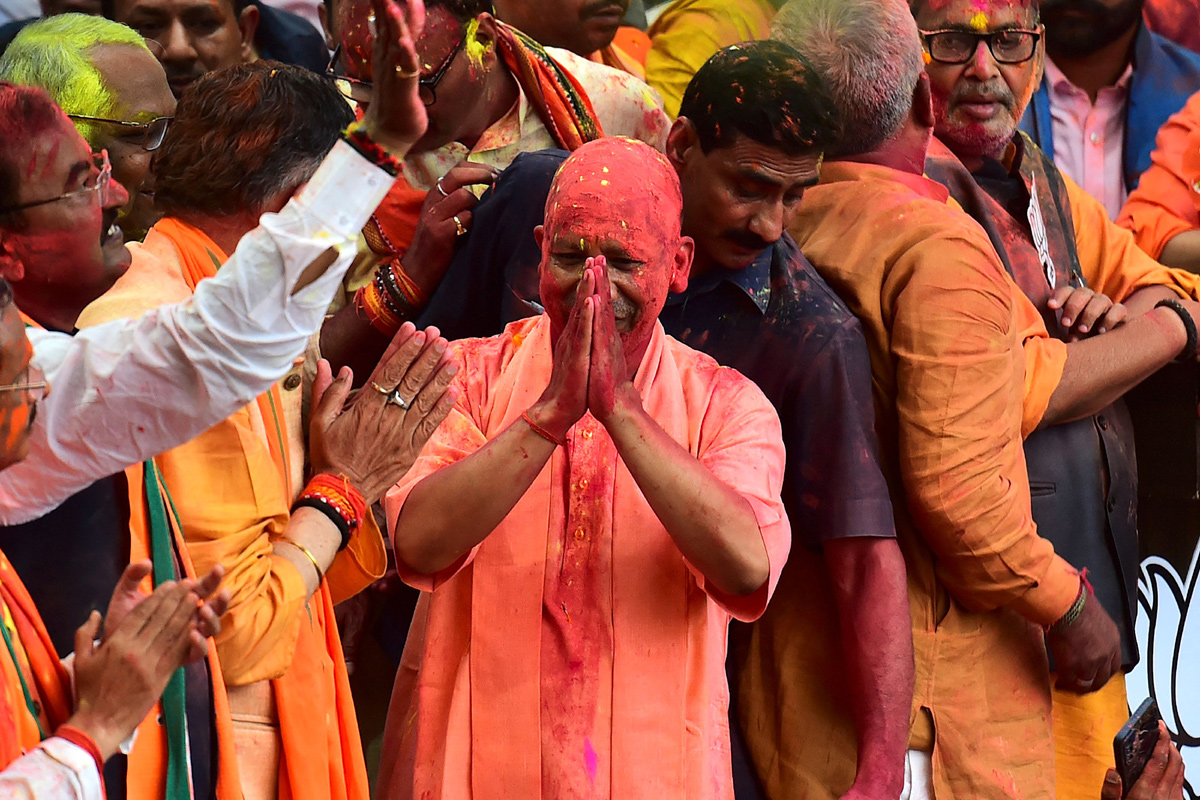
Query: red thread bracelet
(542, 432)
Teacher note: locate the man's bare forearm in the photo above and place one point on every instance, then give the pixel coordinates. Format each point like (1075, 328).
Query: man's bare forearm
(1103, 368)
(1182, 252)
(868, 579)
(455, 508)
(711, 524)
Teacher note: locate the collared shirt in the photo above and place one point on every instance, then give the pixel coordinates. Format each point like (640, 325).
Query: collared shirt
(1167, 200)
(779, 324)
(624, 106)
(628, 664)
(128, 390)
(1089, 138)
(687, 33)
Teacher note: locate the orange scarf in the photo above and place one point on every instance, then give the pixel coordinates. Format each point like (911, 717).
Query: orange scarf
(46, 680)
(201, 258)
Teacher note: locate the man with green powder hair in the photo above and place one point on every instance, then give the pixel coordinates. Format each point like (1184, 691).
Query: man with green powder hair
(112, 87)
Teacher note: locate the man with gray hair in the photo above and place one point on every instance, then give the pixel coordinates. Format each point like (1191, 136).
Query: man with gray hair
(943, 327)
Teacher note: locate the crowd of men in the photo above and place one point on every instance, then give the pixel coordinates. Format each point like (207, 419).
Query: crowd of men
(456, 399)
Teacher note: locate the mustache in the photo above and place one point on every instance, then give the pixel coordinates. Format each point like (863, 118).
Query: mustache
(996, 89)
(603, 5)
(747, 239)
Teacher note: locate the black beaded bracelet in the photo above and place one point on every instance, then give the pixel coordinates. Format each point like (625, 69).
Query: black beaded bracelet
(1189, 349)
(334, 515)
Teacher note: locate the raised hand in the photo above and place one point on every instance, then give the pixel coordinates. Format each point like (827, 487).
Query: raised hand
(127, 596)
(432, 249)
(609, 372)
(396, 117)
(565, 399)
(375, 439)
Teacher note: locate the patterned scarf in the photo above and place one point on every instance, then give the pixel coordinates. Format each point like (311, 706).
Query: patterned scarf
(560, 102)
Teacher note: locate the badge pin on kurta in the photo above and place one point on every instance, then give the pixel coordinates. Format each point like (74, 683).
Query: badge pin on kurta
(1038, 228)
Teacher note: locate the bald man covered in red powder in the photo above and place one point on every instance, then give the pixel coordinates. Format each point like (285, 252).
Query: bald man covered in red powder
(600, 503)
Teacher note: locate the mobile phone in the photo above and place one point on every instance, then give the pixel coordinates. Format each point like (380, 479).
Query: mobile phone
(1135, 743)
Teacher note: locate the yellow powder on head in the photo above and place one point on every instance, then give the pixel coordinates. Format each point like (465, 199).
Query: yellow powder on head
(474, 48)
(979, 22)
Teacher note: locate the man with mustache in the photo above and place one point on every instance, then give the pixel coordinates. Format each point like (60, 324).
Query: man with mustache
(570, 639)
(1110, 84)
(1067, 259)
(104, 76)
(196, 37)
(590, 28)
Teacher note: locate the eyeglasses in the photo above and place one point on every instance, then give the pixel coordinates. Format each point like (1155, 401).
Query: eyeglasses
(1009, 46)
(353, 88)
(153, 132)
(98, 182)
(33, 383)
(360, 91)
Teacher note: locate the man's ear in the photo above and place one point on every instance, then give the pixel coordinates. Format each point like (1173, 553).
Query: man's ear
(922, 106)
(12, 269)
(680, 140)
(248, 25)
(483, 49)
(684, 252)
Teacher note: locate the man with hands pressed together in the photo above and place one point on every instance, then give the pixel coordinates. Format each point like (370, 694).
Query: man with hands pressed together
(571, 639)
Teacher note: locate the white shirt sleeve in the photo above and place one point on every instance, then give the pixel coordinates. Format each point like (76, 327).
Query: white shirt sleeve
(128, 390)
(55, 770)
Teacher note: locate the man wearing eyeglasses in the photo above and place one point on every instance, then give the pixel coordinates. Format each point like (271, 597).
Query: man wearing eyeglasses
(111, 85)
(1067, 260)
(1110, 84)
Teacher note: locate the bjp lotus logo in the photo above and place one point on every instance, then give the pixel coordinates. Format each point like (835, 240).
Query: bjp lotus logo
(1168, 633)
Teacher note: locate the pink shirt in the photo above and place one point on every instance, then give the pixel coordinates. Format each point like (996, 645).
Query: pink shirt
(575, 652)
(1088, 139)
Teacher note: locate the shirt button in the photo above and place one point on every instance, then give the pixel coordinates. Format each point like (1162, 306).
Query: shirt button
(583, 483)
(587, 433)
(1196, 187)
(1102, 422)
(1095, 137)
(579, 534)
(292, 382)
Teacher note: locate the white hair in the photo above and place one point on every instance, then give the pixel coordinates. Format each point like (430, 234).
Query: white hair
(868, 52)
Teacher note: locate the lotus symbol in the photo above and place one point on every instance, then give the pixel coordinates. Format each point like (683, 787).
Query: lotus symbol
(1168, 633)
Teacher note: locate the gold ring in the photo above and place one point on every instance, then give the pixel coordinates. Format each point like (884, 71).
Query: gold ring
(458, 224)
(379, 388)
(401, 72)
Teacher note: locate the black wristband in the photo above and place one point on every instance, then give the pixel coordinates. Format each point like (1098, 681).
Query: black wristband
(1189, 349)
(334, 516)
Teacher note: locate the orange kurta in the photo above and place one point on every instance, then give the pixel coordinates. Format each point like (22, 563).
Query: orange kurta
(230, 486)
(1167, 200)
(943, 331)
(483, 707)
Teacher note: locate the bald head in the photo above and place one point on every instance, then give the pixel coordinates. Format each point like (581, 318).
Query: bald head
(618, 174)
(868, 53)
(620, 199)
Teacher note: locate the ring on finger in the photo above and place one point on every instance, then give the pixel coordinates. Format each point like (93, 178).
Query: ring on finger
(395, 399)
(401, 72)
(441, 191)
(380, 389)
(459, 226)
